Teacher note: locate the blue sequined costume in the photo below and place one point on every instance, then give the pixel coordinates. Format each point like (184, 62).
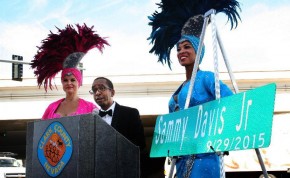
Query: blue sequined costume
(205, 165)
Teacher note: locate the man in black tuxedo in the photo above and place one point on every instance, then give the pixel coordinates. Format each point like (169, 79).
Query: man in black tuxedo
(125, 120)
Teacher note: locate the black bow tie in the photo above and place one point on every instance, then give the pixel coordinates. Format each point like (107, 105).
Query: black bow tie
(103, 113)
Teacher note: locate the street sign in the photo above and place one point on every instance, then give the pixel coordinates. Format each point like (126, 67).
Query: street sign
(238, 122)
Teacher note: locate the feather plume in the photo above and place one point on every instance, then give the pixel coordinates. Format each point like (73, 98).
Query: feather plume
(167, 24)
(51, 55)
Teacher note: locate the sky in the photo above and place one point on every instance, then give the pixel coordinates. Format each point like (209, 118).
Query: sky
(260, 42)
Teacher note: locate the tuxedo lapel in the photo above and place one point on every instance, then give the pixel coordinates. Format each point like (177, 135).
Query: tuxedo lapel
(115, 115)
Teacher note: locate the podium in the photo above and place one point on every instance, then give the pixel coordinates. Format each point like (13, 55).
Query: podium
(81, 146)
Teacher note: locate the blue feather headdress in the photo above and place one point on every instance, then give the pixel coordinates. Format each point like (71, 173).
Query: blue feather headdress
(167, 25)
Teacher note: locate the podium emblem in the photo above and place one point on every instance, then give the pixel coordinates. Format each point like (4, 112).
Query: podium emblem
(54, 149)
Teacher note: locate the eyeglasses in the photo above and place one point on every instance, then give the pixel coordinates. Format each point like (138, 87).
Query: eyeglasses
(100, 89)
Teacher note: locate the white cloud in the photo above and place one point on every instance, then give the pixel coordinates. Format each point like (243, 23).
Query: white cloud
(37, 4)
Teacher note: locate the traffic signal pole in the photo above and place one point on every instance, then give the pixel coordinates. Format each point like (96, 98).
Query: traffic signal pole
(17, 67)
(15, 62)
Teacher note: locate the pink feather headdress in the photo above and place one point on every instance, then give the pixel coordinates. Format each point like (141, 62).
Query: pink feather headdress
(64, 49)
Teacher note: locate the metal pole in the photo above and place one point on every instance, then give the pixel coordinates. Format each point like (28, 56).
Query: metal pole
(233, 80)
(237, 91)
(261, 163)
(15, 61)
(217, 81)
(173, 162)
(196, 64)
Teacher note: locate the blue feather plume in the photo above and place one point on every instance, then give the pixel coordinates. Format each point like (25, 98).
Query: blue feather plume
(167, 24)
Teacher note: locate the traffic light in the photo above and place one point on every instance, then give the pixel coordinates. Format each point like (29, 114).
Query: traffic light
(17, 68)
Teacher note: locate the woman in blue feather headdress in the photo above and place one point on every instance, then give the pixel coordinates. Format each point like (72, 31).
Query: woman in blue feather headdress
(200, 165)
(180, 23)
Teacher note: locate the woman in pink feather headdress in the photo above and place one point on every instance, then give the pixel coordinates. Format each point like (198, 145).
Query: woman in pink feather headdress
(62, 52)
